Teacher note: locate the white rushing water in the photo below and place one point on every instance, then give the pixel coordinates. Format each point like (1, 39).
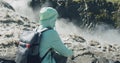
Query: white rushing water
(111, 36)
(22, 7)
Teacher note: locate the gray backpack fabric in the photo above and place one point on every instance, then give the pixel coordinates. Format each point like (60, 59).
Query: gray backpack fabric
(28, 48)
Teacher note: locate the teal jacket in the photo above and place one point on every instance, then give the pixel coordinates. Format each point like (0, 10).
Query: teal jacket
(50, 38)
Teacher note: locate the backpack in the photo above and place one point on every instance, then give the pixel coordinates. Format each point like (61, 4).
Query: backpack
(58, 58)
(28, 47)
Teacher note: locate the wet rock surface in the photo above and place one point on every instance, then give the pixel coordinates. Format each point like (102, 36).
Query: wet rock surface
(12, 24)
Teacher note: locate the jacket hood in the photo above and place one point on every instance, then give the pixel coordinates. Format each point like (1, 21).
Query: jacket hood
(48, 16)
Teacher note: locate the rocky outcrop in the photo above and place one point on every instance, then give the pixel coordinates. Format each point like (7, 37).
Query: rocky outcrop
(92, 51)
(12, 24)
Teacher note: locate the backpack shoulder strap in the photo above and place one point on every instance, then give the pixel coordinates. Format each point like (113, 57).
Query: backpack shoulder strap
(43, 30)
(50, 48)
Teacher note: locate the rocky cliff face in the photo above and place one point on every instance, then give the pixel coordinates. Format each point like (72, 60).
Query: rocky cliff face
(11, 24)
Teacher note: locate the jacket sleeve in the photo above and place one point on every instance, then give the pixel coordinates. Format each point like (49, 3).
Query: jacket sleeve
(57, 44)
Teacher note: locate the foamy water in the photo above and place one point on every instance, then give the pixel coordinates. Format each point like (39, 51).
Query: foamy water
(111, 36)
